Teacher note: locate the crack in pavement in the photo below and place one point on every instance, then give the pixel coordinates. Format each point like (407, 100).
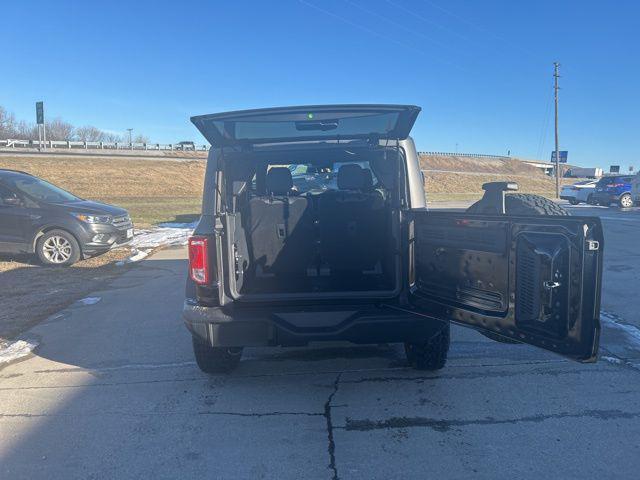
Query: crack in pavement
(331, 447)
(152, 414)
(446, 425)
(474, 375)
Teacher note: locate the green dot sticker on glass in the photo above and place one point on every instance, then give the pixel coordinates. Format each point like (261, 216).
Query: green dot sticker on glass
(310, 116)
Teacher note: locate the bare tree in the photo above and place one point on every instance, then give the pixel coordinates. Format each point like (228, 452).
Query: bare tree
(25, 131)
(89, 133)
(112, 137)
(7, 124)
(58, 129)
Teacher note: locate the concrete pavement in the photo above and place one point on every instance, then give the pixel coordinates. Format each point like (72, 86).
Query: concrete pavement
(112, 392)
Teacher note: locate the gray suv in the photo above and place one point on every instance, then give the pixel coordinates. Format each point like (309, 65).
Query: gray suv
(39, 218)
(314, 227)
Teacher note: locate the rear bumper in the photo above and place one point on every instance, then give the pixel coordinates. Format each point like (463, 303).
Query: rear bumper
(293, 326)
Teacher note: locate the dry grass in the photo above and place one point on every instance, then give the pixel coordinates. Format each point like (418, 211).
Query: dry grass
(461, 178)
(478, 165)
(30, 292)
(152, 190)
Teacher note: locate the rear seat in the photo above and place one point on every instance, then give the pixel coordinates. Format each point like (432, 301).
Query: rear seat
(353, 224)
(281, 231)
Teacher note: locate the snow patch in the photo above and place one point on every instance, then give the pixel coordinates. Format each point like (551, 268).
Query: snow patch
(631, 332)
(614, 360)
(89, 300)
(16, 350)
(164, 235)
(136, 256)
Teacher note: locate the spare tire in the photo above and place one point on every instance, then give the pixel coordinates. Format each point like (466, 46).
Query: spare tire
(522, 204)
(519, 204)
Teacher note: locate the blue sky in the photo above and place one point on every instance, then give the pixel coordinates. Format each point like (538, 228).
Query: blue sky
(481, 70)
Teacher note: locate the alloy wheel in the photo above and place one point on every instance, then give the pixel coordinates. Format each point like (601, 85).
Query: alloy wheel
(57, 249)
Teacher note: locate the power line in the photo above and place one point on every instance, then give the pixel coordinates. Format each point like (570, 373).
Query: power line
(426, 20)
(481, 29)
(379, 35)
(556, 75)
(545, 123)
(397, 24)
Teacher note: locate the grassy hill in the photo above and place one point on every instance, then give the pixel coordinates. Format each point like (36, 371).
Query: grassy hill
(450, 177)
(169, 190)
(152, 190)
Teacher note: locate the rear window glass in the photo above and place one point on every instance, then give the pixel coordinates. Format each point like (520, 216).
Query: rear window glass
(270, 128)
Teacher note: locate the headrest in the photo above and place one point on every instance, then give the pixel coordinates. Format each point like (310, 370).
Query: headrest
(351, 177)
(279, 181)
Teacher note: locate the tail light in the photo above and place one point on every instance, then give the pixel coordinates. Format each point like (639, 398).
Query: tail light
(199, 260)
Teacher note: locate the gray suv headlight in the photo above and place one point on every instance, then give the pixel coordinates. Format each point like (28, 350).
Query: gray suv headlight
(93, 218)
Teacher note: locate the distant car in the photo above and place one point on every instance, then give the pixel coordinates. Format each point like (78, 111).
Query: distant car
(613, 189)
(635, 189)
(580, 192)
(185, 145)
(60, 228)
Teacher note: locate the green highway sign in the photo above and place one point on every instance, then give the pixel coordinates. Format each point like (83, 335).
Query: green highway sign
(40, 113)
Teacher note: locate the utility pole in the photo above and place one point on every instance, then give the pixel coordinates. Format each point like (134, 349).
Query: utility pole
(556, 65)
(131, 130)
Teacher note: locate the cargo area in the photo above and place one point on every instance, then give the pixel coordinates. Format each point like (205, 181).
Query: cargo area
(313, 222)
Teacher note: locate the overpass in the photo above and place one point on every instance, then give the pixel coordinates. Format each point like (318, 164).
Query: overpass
(546, 167)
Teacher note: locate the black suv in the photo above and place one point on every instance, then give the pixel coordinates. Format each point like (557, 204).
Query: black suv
(60, 228)
(314, 227)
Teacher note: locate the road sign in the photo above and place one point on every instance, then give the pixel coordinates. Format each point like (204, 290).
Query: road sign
(40, 113)
(614, 169)
(564, 154)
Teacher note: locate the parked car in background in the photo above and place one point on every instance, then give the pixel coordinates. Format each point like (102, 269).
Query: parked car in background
(185, 145)
(635, 189)
(613, 189)
(39, 218)
(580, 192)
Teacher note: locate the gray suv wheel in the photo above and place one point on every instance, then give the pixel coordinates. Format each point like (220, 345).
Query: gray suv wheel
(58, 247)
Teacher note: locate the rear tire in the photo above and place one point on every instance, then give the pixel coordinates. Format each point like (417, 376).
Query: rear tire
(216, 359)
(573, 201)
(626, 201)
(430, 354)
(523, 204)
